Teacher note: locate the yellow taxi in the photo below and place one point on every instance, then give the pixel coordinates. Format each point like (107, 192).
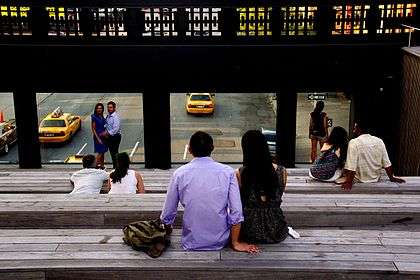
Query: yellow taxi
(200, 103)
(58, 127)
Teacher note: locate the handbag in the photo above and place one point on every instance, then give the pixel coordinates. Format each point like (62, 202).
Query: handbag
(150, 237)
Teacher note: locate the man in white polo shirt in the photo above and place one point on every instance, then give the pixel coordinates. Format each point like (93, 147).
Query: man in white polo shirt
(366, 157)
(89, 180)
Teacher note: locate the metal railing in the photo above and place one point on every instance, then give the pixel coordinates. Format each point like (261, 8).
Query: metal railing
(412, 29)
(209, 22)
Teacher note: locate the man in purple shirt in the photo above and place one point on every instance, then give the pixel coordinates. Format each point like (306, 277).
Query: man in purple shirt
(209, 193)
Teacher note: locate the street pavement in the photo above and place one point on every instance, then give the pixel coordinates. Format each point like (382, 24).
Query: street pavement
(129, 106)
(234, 115)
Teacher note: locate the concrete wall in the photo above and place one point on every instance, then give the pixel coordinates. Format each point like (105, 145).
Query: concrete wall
(408, 144)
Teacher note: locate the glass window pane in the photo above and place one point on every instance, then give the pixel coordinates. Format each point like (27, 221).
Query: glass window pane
(226, 117)
(8, 135)
(67, 135)
(337, 108)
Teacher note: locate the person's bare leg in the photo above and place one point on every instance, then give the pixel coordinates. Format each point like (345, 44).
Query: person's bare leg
(314, 143)
(321, 143)
(100, 160)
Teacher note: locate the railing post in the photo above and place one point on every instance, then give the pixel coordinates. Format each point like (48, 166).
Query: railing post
(134, 23)
(373, 22)
(229, 23)
(157, 128)
(277, 21)
(286, 128)
(39, 23)
(26, 114)
(86, 22)
(325, 21)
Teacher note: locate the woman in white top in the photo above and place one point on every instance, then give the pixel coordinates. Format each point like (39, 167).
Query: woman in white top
(123, 180)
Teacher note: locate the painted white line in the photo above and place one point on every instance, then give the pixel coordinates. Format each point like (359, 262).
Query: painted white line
(134, 149)
(81, 150)
(56, 161)
(185, 152)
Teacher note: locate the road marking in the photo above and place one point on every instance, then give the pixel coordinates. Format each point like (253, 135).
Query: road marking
(81, 150)
(43, 99)
(134, 149)
(185, 152)
(55, 161)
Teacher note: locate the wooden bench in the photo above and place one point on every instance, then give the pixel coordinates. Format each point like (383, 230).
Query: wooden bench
(157, 182)
(304, 210)
(377, 253)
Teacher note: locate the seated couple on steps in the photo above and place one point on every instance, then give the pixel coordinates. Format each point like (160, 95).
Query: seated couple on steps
(360, 160)
(223, 206)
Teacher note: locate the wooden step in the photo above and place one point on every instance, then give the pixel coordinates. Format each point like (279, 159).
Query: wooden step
(304, 210)
(333, 253)
(157, 182)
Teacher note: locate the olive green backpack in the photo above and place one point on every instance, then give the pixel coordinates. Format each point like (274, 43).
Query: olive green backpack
(150, 237)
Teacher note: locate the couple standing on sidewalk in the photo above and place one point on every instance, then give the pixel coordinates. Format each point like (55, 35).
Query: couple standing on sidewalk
(106, 132)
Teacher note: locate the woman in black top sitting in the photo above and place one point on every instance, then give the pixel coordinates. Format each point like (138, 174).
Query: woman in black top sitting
(328, 167)
(318, 129)
(262, 184)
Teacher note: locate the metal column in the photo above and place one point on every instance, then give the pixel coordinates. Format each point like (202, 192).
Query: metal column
(157, 129)
(26, 114)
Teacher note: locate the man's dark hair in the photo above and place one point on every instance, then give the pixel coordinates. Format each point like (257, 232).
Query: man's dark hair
(88, 161)
(201, 144)
(112, 103)
(364, 123)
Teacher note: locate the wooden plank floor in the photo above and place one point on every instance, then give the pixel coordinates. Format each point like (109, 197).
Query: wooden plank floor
(304, 210)
(157, 182)
(331, 253)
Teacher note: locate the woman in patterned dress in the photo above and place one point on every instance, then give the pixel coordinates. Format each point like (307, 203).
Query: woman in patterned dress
(262, 184)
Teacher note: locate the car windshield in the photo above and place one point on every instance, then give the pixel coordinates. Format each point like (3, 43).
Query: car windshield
(53, 123)
(200, 97)
(270, 137)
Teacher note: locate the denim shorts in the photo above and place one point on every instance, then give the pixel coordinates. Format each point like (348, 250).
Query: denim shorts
(319, 138)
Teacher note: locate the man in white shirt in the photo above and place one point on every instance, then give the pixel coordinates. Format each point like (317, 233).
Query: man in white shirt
(89, 180)
(113, 131)
(366, 157)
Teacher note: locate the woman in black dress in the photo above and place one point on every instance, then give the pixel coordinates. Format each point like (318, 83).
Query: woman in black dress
(318, 129)
(262, 184)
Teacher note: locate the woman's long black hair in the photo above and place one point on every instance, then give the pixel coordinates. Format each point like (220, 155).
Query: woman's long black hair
(123, 164)
(96, 107)
(319, 107)
(258, 171)
(339, 139)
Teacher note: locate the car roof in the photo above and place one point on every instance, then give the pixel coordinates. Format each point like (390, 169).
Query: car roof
(267, 131)
(200, 93)
(62, 117)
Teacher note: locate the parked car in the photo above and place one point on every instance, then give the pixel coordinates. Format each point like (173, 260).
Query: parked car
(200, 103)
(59, 127)
(270, 137)
(8, 135)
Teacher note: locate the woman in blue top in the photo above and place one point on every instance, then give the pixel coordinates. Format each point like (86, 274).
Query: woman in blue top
(98, 128)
